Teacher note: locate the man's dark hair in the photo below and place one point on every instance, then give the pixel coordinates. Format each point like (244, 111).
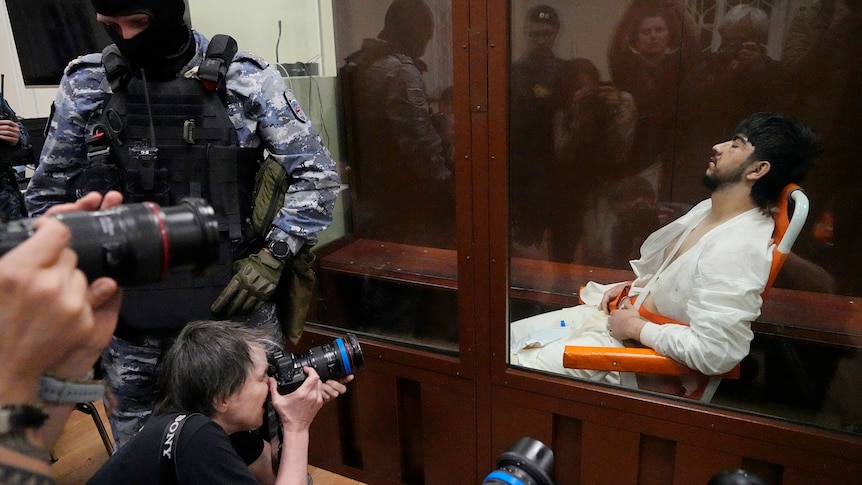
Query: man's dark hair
(209, 360)
(790, 147)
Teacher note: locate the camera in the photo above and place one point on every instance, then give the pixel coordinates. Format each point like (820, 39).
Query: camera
(527, 461)
(135, 244)
(335, 360)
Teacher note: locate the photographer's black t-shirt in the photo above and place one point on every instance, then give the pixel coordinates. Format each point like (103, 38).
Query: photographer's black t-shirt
(204, 455)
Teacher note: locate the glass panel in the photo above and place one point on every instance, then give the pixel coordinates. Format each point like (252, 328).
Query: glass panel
(387, 266)
(392, 272)
(615, 108)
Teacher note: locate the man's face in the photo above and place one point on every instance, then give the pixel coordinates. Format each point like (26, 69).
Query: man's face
(126, 26)
(729, 162)
(245, 406)
(541, 38)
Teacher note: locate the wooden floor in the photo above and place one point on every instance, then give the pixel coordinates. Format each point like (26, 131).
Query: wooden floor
(80, 452)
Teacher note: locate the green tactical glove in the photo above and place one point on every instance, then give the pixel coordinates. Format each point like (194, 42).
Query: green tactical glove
(253, 283)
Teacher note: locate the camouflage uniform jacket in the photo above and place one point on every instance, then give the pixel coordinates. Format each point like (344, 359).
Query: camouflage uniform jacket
(263, 110)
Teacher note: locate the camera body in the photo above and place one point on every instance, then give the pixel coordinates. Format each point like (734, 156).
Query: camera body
(135, 244)
(335, 360)
(527, 461)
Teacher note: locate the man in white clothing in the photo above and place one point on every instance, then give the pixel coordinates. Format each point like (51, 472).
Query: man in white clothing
(699, 278)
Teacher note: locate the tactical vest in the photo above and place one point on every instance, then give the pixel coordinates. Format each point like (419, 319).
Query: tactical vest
(186, 121)
(163, 141)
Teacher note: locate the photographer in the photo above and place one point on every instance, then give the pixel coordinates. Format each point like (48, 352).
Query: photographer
(215, 383)
(52, 322)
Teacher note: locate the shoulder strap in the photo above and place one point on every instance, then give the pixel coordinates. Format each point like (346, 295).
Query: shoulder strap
(213, 70)
(116, 68)
(170, 442)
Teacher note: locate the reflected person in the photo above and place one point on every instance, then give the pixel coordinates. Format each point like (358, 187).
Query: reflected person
(541, 84)
(402, 176)
(593, 135)
(699, 279)
(740, 69)
(653, 54)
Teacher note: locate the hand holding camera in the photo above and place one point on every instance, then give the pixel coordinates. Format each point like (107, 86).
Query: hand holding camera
(48, 304)
(134, 244)
(334, 361)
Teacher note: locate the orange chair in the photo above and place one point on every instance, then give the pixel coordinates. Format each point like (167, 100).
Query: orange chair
(645, 364)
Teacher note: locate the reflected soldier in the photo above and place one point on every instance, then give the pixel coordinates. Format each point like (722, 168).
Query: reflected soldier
(402, 177)
(541, 83)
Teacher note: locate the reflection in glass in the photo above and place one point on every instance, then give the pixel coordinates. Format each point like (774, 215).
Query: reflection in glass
(611, 132)
(397, 118)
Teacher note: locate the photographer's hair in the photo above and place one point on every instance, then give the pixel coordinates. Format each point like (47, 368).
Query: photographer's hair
(790, 147)
(210, 360)
(749, 18)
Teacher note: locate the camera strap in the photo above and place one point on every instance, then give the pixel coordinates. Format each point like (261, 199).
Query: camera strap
(169, 444)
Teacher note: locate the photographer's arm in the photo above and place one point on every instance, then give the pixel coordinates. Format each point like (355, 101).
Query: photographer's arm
(51, 321)
(94, 327)
(297, 410)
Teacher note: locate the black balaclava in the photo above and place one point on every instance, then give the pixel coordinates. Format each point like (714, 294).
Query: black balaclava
(166, 39)
(408, 26)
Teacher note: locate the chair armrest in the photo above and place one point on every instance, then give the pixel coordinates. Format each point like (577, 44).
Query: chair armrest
(638, 360)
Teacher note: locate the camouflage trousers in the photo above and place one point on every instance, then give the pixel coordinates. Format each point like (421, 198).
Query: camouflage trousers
(10, 203)
(129, 370)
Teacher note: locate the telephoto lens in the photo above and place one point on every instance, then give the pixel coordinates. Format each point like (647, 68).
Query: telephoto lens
(526, 462)
(135, 244)
(335, 361)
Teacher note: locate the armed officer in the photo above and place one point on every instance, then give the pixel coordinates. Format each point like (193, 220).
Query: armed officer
(14, 140)
(165, 113)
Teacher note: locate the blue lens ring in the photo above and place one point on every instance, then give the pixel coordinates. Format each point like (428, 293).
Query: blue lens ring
(503, 477)
(344, 358)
